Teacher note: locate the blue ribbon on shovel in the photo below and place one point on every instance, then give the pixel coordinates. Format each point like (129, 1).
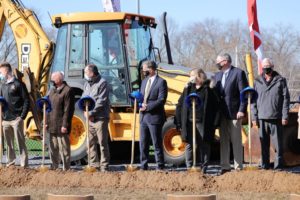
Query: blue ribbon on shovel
(40, 103)
(81, 103)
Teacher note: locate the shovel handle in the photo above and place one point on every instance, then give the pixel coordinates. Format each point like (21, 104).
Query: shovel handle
(194, 131)
(44, 132)
(249, 130)
(133, 131)
(87, 131)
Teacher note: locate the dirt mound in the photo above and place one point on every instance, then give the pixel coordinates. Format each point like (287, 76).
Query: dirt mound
(245, 181)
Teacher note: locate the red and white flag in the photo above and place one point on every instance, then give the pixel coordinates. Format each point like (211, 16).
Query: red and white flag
(111, 5)
(254, 33)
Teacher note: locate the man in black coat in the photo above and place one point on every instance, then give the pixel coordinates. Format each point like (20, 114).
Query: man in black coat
(16, 96)
(206, 118)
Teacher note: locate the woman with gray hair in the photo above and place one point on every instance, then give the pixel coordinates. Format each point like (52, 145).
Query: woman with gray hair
(206, 118)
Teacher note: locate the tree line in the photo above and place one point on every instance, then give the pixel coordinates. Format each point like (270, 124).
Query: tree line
(199, 43)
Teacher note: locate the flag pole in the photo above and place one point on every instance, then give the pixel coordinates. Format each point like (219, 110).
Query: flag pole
(254, 32)
(236, 56)
(138, 6)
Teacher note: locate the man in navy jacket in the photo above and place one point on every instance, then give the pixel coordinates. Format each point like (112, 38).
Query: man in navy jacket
(230, 81)
(152, 114)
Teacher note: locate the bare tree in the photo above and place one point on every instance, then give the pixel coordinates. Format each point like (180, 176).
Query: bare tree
(159, 41)
(282, 44)
(8, 47)
(198, 44)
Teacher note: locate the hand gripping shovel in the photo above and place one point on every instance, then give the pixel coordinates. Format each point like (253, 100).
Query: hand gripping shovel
(195, 99)
(44, 105)
(87, 104)
(249, 95)
(137, 96)
(3, 106)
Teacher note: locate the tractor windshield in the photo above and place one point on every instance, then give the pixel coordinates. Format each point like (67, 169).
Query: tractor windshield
(117, 48)
(139, 48)
(105, 50)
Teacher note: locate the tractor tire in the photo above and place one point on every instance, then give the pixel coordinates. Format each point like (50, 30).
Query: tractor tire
(173, 146)
(291, 143)
(78, 136)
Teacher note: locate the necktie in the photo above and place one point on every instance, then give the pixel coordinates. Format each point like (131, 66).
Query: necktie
(224, 77)
(147, 90)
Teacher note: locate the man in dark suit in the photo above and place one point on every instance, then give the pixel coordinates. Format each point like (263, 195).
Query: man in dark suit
(152, 114)
(230, 81)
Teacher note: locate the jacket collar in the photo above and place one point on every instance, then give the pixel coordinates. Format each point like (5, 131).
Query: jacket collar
(95, 79)
(61, 88)
(276, 78)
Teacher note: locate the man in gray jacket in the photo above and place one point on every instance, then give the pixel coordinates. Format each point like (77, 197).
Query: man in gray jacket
(97, 88)
(270, 112)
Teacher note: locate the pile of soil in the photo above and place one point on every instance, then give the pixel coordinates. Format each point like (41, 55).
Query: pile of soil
(260, 184)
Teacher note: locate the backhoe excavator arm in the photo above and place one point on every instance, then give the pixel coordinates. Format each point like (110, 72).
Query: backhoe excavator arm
(35, 52)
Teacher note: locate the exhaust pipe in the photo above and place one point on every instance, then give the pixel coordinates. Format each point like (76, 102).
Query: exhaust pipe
(166, 37)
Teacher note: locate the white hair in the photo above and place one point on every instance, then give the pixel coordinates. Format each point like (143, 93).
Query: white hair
(267, 61)
(60, 74)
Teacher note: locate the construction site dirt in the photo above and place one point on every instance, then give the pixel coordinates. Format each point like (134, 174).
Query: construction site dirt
(242, 185)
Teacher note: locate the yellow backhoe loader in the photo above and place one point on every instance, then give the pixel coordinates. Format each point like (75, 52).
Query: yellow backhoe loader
(117, 43)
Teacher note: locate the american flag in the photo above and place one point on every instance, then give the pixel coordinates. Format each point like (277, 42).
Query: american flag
(254, 33)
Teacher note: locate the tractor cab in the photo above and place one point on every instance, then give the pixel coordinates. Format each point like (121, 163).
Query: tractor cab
(115, 42)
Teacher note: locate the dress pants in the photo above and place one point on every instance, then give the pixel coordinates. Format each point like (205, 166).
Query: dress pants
(154, 131)
(231, 131)
(203, 148)
(60, 149)
(99, 133)
(271, 128)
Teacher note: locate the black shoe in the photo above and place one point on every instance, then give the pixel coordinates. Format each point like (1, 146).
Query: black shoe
(204, 169)
(160, 168)
(223, 171)
(279, 169)
(144, 168)
(263, 168)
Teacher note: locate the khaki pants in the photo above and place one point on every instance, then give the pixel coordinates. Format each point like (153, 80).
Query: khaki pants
(60, 149)
(12, 129)
(231, 131)
(98, 132)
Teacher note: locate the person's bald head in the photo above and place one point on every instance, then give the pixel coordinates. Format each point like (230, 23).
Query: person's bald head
(57, 78)
(267, 63)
